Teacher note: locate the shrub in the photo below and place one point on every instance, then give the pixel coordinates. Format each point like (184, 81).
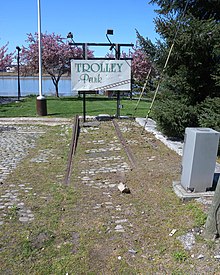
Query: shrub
(173, 116)
(209, 114)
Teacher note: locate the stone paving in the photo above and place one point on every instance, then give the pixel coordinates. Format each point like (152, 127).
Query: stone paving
(105, 160)
(15, 142)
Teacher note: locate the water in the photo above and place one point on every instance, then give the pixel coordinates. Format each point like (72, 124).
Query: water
(29, 86)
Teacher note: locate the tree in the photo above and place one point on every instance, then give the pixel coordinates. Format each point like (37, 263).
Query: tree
(56, 56)
(141, 65)
(5, 59)
(193, 71)
(212, 226)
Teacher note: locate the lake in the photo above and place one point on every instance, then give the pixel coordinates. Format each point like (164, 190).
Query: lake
(29, 86)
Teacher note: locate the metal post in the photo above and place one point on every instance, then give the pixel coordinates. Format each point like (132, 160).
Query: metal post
(85, 51)
(18, 62)
(39, 49)
(85, 56)
(117, 56)
(118, 104)
(41, 100)
(84, 106)
(117, 51)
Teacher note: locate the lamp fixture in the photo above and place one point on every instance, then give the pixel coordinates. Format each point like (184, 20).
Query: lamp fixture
(70, 35)
(110, 32)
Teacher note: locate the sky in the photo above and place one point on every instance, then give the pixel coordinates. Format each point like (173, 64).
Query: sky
(87, 20)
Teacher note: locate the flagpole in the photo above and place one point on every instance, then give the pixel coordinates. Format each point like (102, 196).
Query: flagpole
(40, 49)
(41, 100)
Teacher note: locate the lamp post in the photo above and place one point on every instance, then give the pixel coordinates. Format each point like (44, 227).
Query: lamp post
(117, 56)
(18, 63)
(110, 32)
(41, 100)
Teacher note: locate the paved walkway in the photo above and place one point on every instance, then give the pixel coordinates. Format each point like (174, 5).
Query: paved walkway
(176, 146)
(15, 142)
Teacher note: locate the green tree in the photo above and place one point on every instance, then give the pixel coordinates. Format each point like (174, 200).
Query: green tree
(193, 71)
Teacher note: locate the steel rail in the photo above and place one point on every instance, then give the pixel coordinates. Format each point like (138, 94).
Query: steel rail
(75, 134)
(125, 145)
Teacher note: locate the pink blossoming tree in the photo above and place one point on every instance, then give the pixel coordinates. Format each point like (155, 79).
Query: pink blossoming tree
(5, 59)
(140, 65)
(56, 56)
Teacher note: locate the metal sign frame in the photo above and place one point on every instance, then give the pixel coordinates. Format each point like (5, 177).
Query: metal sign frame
(117, 48)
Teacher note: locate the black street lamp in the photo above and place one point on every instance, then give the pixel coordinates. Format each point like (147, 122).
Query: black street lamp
(116, 47)
(70, 35)
(110, 32)
(18, 63)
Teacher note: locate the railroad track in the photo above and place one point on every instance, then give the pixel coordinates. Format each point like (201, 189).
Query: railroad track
(73, 145)
(75, 134)
(124, 144)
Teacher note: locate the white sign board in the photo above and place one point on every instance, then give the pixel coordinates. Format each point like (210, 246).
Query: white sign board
(95, 75)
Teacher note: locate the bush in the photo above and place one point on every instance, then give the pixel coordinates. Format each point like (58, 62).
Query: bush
(209, 114)
(173, 116)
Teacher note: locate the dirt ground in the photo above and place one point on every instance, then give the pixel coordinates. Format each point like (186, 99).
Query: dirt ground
(90, 227)
(132, 230)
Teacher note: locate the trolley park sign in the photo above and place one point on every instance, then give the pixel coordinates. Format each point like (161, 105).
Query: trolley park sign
(96, 75)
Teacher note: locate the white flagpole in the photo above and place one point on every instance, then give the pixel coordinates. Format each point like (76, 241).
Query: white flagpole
(40, 50)
(41, 100)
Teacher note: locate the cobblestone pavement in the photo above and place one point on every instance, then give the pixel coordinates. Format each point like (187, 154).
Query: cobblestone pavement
(15, 142)
(104, 166)
(101, 157)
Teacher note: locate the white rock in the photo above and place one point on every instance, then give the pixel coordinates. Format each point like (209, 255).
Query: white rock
(123, 188)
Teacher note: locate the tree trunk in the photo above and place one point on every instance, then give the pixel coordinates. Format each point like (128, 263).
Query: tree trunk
(212, 226)
(56, 83)
(57, 89)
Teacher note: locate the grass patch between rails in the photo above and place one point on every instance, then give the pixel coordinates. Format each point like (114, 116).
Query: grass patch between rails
(70, 106)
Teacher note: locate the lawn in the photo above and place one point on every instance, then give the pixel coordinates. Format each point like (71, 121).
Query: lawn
(70, 106)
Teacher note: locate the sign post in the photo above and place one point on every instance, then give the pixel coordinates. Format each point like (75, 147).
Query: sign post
(100, 74)
(117, 56)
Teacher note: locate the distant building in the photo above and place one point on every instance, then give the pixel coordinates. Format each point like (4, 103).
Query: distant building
(10, 69)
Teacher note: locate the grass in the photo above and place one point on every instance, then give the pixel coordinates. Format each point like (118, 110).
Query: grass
(68, 235)
(70, 106)
(198, 215)
(180, 256)
(34, 246)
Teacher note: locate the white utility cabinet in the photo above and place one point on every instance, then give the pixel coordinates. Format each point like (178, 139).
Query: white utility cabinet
(199, 158)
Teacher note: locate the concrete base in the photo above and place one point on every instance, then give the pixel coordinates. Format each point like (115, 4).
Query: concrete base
(185, 195)
(41, 105)
(103, 117)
